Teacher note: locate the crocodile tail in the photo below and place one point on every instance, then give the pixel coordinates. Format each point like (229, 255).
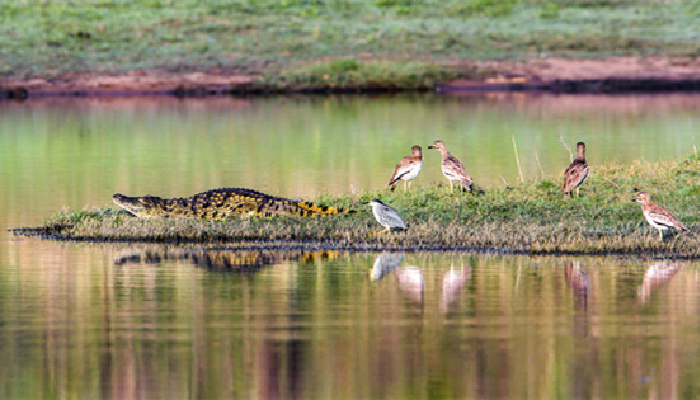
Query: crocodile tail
(307, 209)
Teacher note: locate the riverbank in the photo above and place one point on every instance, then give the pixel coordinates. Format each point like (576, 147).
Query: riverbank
(529, 218)
(350, 75)
(110, 48)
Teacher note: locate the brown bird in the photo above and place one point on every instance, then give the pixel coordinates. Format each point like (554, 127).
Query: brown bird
(658, 217)
(408, 168)
(452, 168)
(576, 173)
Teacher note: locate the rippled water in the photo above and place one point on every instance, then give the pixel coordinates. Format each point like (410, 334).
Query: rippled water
(82, 320)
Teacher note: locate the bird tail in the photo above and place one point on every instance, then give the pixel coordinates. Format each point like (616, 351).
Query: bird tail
(466, 185)
(392, 185)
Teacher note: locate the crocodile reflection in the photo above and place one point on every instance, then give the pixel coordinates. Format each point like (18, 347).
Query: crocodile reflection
(656, 275)
(579, 282)
(223, 259)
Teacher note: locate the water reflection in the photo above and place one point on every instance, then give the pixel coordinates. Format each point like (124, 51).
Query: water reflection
(221, 259)
(385, 263)
(655, 276)
(410, 279)
(73, 324)
(453, 282)
(579, 282)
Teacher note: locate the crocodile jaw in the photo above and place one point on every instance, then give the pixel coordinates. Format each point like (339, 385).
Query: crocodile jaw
(131, 204)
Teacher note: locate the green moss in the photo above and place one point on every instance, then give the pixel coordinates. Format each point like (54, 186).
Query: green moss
(532, 218)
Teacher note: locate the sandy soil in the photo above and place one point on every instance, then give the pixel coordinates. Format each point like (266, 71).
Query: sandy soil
(496, 74)
(614, 67)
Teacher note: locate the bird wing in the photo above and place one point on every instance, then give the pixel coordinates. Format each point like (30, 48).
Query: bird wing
(453, 166)
(662, 217)
(402, 168)
(390, 218)
(574, 175)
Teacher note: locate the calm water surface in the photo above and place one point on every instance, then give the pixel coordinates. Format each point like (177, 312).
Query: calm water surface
(121, 321)
(113, 321)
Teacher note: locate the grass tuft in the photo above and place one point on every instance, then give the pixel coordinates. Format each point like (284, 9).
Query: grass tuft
(350, 73)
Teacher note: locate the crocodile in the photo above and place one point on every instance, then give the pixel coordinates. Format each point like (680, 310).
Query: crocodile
(219, 204)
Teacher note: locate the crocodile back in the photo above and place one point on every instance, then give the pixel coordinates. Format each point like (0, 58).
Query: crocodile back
(218, 204)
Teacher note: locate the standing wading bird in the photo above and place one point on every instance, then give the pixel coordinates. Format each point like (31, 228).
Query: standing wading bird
(658, 217)
(576, 173)
(408, 168)
(452, 168)
(387, 217)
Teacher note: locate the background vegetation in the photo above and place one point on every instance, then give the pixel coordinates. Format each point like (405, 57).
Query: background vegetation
(281, 37)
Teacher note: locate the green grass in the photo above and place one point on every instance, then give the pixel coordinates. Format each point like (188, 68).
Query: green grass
(283, 40)
(530, 218)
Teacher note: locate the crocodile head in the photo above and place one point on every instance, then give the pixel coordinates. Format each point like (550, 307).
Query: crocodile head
(134, 205)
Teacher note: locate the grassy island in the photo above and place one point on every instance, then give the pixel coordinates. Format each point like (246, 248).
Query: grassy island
(530, 217)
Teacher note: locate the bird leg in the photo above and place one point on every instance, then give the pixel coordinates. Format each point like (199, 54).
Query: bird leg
(450, 186)
(404, 186)
(379, 233)
(661, 235)
(578, 194)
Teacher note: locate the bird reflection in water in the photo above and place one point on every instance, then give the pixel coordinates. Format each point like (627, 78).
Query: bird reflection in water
(409, 278)
(411, 281)
(385, 263)
(452, 284)
(221, 259)
(656, 275)
(579, 283)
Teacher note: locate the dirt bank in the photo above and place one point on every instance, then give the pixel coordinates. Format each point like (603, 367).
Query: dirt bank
(609, 75)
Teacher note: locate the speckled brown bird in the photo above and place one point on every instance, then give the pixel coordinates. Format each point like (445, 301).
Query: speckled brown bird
(408, 168)
(658, 217)
(577, 172)
(452, 168)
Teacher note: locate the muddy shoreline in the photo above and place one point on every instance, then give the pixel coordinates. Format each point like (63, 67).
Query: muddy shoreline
(221, 243)
(555, 75)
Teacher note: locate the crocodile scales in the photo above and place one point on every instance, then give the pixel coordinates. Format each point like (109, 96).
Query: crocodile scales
(220, 204)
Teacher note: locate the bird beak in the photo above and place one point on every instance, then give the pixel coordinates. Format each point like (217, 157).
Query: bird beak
(634, 199)
(432, 147)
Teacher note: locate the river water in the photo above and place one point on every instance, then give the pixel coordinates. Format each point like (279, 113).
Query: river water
(81, 320)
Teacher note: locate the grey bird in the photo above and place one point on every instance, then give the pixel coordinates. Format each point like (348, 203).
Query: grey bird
(387, 217)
